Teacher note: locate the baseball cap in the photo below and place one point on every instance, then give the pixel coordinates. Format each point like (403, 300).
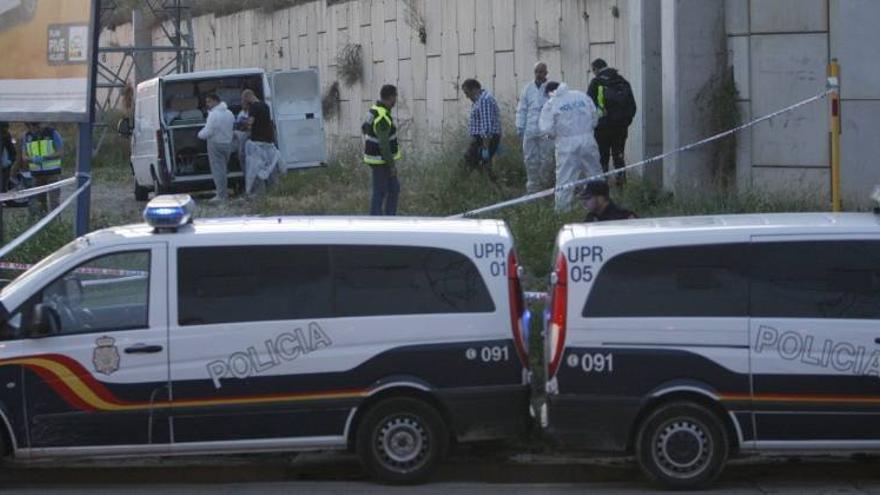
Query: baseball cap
(595, 188)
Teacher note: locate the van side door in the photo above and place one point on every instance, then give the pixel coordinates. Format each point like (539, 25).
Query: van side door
(815, 340)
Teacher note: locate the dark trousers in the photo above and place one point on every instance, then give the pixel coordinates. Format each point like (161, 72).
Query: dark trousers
(386, 191)
(612, 143)
(473, 157)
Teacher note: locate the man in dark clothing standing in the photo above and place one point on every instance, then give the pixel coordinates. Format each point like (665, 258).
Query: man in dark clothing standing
(262, 157)
(600, 208)
(381, 152)
(614, 98)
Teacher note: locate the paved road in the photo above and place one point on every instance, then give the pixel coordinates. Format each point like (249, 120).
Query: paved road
(323, 474)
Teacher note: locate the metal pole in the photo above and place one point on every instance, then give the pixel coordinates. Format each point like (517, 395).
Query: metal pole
(3, 189)
(84, 148)
(84, 172)
(834, 83)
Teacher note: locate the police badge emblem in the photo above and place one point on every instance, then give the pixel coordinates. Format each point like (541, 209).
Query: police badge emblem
(106, 356)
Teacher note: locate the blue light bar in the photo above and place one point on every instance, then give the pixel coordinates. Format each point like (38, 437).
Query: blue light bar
(170, 212)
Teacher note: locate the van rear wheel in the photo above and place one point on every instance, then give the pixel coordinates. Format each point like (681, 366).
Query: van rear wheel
(682, 445)
(401, 441)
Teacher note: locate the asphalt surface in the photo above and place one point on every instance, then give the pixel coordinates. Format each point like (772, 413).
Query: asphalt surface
(478, 473)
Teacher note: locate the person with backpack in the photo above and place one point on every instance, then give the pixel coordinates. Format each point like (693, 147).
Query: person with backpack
(614, 98)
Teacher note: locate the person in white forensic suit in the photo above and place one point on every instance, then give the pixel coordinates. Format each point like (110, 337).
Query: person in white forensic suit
(570, 119)
(537, 149)
(218, 132)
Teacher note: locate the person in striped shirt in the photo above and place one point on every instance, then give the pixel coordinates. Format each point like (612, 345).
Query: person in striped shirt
(484, 127)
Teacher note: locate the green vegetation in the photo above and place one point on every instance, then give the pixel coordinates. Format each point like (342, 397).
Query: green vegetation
(435, 186)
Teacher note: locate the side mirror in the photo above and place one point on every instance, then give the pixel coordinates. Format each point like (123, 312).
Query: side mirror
(123, 127)
(44, 322)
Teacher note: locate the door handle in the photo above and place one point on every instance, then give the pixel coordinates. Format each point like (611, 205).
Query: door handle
(877, 341)
(144, 349)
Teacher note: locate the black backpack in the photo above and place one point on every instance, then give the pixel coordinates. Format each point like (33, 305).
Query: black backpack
(620, 104)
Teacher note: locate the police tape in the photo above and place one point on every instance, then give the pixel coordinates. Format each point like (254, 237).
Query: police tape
(536, 297)
(18, 241)
(571, 185)
(110, 272)
(36, 191)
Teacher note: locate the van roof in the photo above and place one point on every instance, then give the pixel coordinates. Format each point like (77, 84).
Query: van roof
(768, 224)
(211, 74)
(278, 225)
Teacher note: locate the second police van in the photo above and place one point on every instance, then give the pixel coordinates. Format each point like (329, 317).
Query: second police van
(390, 337)
(685, 341)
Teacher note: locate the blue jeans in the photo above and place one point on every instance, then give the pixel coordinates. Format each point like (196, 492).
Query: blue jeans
(386, 191)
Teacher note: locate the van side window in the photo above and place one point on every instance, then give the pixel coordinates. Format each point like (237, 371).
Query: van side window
(395, 280)
(818, 279)
(690, 281)
(275, 283)
(106, 294)
(252, 283)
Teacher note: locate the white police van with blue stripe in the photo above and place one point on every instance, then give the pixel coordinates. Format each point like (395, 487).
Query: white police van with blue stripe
(392, 337)
(684, 341)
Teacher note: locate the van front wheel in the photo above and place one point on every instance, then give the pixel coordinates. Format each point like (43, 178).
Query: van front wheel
(682, 446)
(401, 441)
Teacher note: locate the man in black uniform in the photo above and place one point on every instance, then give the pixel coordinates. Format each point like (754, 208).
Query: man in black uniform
(614, 98)
(599, 205)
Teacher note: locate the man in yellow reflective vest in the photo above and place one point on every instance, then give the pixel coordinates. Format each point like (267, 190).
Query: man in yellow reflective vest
(381, 152)
(42, 151)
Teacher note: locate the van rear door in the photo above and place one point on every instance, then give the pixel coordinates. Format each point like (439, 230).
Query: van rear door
(144, 146)
(299, 121)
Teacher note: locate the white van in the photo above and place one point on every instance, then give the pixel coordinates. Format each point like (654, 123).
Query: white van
(168, 156)
(684, 341)
(391, 337)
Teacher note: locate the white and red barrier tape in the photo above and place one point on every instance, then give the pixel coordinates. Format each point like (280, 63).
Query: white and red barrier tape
(109, 272)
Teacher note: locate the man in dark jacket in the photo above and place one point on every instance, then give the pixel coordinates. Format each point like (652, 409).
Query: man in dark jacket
(600, 208)
(614, 98)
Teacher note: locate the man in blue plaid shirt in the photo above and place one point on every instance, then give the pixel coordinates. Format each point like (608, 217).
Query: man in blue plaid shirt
(484, 127)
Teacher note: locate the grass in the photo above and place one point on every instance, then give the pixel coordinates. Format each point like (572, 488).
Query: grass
(435, 186)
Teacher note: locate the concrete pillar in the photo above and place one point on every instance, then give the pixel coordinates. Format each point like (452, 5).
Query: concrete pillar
(644, 72)
(143, 37)
(694, 57)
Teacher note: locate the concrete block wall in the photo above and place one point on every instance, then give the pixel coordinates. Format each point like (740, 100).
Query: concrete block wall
(495, 41)
(780, 50)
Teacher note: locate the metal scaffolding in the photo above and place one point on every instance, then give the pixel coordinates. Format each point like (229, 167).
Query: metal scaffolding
(174, 18)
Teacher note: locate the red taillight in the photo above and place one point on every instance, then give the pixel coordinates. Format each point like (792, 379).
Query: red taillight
(558, 314)
(517, 308)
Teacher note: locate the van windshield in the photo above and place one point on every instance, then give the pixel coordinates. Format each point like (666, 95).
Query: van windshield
(62, 253)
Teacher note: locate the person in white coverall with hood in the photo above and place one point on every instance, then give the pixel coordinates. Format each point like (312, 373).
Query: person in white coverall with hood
(218, 132)
(570, 119)
(537, 149)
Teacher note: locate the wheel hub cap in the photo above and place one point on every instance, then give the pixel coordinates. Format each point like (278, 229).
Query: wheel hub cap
(682, 449)
(402, 443)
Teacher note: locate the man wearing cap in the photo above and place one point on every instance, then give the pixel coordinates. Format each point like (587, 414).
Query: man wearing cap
(600, 207)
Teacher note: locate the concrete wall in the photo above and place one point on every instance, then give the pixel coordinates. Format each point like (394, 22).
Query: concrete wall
(780, 50)
(693, 57)
(496, 41)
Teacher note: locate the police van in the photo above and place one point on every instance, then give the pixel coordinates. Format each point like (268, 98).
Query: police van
(391, 337)
(685, 341)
